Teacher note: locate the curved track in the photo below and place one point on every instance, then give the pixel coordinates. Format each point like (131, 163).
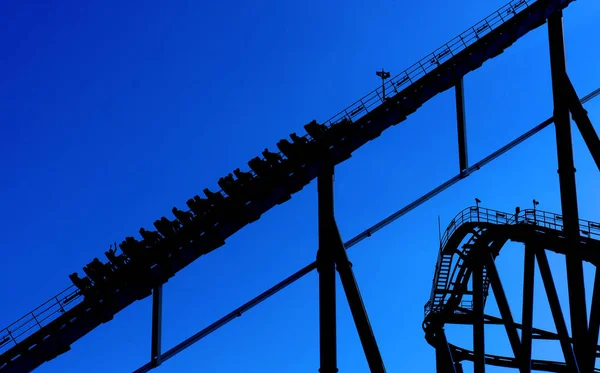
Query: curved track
(50, 329)
(478, 229)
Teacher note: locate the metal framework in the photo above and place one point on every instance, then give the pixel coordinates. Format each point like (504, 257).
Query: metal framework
(143, 266)
(467, 256)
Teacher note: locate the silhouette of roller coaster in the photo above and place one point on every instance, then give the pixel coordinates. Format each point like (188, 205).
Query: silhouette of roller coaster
(468, 250)
(144, 265)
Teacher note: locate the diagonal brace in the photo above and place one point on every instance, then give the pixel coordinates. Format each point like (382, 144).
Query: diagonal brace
(357, 307)
(583, 122)
(504, 308)
(557, 314)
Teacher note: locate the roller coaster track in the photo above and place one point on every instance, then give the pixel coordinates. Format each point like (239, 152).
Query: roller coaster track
(478, 229)
(50, 329)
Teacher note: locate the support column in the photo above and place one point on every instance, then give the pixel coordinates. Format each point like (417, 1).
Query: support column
(527, 316)
(461, 126)
(594, 327)
(568, 192)
(155, 358)
(478, 315)
(326, 269)
(443, 355)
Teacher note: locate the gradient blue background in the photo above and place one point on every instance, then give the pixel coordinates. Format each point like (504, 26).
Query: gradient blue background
(113, 112)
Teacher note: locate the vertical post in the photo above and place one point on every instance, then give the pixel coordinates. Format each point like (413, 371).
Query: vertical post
(461, 125)
(528, 282)
(478, 315)
(155, 357)
(326, 269)
(568, 192)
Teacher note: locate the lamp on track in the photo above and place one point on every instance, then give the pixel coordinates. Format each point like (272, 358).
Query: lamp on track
(383, 75)
(477, 202)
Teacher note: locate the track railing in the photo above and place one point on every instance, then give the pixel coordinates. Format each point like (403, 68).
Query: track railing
(431, 61)
(39, 317)
(475, 214)
(537, 217)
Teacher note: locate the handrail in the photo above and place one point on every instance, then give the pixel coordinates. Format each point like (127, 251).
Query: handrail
(431, 61)
(541, 218)
(39, 317)
(474, 214)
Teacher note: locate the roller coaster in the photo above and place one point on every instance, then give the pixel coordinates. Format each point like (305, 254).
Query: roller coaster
(143, 265)
(470, 245)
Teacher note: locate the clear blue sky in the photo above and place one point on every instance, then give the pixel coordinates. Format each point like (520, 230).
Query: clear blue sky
(114, 112)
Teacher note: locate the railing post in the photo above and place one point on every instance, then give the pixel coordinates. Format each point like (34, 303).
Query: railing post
(60, 304)
(36, 320)
(11, 336)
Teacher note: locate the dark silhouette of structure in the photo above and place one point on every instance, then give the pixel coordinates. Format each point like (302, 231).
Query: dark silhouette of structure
(144, 265)
(468, 251)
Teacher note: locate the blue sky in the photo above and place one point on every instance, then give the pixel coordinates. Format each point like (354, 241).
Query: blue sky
(113, 113)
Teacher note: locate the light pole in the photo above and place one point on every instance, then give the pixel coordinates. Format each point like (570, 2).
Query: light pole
(535, 203)
(384, 75)
(477, 202)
